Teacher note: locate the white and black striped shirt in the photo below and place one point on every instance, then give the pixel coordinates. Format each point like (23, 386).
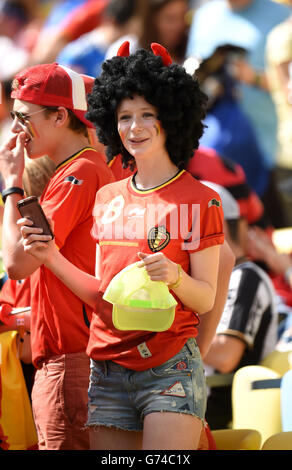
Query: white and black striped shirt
(250, 312)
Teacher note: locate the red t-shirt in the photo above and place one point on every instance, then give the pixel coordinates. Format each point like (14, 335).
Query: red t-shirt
(60, 320)
(16, 293)
(188, 218)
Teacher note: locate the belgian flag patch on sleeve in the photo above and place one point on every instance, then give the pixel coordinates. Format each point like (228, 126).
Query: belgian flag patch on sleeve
(214, 202)
(73, 180)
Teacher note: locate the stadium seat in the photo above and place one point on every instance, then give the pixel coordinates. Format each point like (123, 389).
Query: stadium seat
(286, 401)
(279, 361)
(279, 441)
(237, 439)
(256, 400)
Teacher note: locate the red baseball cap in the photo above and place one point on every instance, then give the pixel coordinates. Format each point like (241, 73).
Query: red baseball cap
(54, 85)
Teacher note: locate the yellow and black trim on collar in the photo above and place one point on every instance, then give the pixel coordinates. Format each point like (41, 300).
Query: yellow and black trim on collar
(156, 188)
(70, 159)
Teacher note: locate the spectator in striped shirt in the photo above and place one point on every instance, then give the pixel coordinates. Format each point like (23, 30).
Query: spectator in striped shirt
(247, 330)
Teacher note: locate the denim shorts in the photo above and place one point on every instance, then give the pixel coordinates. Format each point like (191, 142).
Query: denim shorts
(120, 397)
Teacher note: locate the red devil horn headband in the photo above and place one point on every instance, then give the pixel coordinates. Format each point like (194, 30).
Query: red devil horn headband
(124, 49)
(157, 49)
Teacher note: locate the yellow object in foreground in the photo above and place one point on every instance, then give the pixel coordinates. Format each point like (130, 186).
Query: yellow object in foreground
(16, 416)
(255, 406)
(138, 302)
(279, 441)
(237, 439)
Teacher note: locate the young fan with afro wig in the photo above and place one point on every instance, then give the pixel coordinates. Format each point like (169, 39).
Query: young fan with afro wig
(175, 94)
(147, 387)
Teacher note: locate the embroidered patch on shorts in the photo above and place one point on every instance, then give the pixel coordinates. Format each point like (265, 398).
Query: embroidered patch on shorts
(175, 390)
(181, 365)
(144, 350)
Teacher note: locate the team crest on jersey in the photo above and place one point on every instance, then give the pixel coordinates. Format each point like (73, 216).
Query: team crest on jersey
(214, 202)
(158, 238)
(73, 180)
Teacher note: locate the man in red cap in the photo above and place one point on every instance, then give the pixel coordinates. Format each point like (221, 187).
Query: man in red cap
(49, 119)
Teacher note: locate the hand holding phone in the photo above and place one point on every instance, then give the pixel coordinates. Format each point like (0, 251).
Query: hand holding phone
(31, 209)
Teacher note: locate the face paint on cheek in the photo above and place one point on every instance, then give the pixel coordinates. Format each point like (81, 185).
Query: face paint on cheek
(157, 127)
(122, 135)
(32, 130)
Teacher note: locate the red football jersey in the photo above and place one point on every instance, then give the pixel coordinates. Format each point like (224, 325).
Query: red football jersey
(60, 320)
(180, 217)
(16, 293)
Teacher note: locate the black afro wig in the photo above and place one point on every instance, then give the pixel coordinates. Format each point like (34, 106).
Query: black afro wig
(176, 95)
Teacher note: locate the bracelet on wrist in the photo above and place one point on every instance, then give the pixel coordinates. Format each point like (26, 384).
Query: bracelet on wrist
(179, 279)
(12, 190)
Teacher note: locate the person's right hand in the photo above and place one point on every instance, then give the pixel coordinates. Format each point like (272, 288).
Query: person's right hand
(12, 160)
(42, 247)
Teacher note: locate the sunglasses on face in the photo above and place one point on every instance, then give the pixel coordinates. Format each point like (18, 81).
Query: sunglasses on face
(22, 117)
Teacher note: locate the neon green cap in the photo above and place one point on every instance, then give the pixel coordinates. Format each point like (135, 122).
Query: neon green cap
(138, 302)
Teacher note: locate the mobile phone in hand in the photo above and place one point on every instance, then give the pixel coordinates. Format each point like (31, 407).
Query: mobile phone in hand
(31, 209)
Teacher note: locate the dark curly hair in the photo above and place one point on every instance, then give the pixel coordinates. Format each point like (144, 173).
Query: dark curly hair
(175, 94)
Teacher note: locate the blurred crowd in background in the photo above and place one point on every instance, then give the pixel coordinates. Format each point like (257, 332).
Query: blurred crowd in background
(241, 53)
(239, 49)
